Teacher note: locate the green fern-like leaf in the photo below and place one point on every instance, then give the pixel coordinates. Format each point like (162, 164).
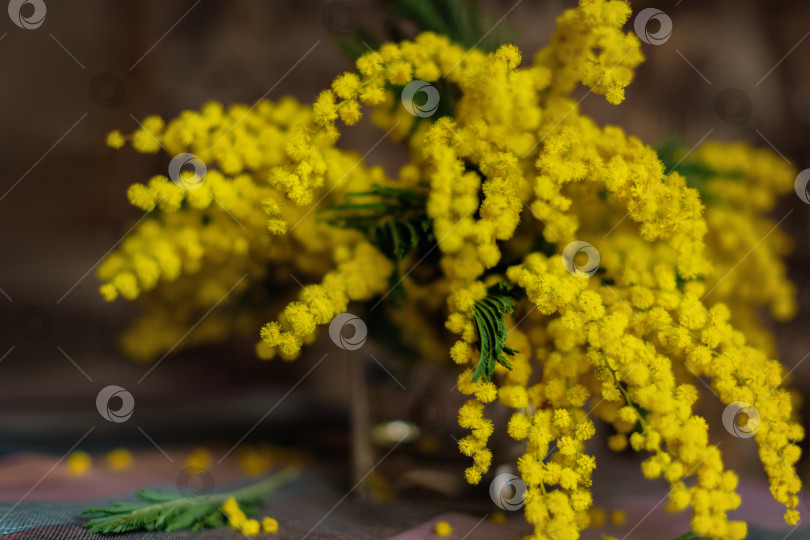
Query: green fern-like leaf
(488, 316)
(164, 511)
(674, 154)
(394, 219)
(463, 21)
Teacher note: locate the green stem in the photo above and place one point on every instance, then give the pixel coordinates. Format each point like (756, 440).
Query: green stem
(258, 489)
(573, 413)
(617, 381)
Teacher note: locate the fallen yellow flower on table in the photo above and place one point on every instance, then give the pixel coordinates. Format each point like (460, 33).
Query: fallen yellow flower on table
(119, 459)
(442, 528)
(79, 462)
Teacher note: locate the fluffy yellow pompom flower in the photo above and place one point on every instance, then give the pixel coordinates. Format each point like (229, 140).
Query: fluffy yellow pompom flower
(269, 525)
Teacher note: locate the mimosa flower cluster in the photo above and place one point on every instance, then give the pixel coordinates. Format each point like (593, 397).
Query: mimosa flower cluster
(514, 176)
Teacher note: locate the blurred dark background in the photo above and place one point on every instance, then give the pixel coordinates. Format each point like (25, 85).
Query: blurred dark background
(94, 66)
